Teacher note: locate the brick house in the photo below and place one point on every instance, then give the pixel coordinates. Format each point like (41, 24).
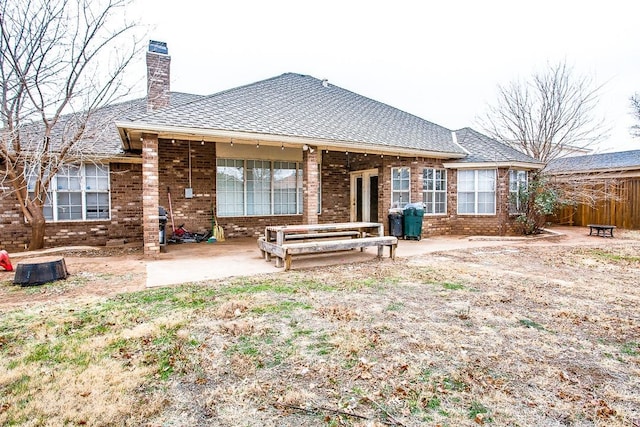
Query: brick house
(287, 150)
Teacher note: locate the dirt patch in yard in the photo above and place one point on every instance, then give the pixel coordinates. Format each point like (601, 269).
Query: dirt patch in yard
(94, 273)
(543, 333)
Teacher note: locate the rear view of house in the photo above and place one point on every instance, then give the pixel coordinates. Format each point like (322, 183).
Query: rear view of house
(291, 149)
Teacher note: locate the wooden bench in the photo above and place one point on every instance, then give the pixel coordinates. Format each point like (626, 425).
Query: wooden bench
(601, 230)
(286, 251)
(271, 247)
(323, 246)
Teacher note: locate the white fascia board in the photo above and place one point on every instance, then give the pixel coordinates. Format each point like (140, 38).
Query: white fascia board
(360, 147)
(493, 165)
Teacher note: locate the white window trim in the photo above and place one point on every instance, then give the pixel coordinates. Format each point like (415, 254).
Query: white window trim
(434, 192)
(393, 191)
(299, 194)
(518, 189)
(495, 193)
(53, 190)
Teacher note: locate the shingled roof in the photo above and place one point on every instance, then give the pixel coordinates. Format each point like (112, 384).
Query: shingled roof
(295, 105)
(101, 137)
(483, 149)
(618, 161)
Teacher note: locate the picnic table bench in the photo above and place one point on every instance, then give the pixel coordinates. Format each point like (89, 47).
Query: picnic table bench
(322, 238)
(601, 230)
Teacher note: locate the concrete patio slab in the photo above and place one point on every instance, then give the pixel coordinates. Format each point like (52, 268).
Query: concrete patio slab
(192, 262)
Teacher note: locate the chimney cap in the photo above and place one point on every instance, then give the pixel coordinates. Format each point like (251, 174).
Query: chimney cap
(158, 47)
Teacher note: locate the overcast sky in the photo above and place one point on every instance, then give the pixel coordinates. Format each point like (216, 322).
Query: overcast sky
(440, 60)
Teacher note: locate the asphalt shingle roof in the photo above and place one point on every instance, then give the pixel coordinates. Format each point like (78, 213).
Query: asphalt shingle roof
(101, 137)
(482, 149)
(621, 160)
(302, 106)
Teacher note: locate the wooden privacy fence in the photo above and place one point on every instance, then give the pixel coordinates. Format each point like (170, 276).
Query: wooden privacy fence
(620, 207)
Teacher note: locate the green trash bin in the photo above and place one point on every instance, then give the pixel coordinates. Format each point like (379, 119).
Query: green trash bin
(412, 217)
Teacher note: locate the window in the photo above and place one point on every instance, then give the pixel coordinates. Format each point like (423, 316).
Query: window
(434, 191)
(258, 187)
(285, 188)
(230, 187)
(77, 193)
(400, 187)
(97, 192)
(517, 191)
(477, 192)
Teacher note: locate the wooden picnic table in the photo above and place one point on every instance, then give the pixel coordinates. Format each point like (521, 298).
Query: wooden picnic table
(321, 238)
(279, 233)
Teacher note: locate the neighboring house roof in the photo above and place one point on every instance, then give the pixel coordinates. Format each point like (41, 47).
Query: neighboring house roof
(295, 105)
(618, 161)
(483, 149)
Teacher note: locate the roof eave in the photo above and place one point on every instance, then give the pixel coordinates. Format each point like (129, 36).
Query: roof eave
(595, 171)
(492, 165)
(126, 128)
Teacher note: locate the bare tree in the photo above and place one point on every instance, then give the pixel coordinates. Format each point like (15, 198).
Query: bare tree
(635, 105)
(548, 115)
(60, 62)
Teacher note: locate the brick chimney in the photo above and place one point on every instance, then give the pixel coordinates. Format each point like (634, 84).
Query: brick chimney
(158, 67)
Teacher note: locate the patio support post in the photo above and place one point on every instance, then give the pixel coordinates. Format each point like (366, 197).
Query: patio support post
(150, 195)
(310, 185)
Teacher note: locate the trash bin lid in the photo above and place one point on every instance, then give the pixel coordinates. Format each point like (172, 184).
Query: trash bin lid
(416, 205)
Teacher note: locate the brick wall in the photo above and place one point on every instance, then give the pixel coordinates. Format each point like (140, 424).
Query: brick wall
(335, 185)
(125, 223)
(195, 212)
(126, 202)
(12, 228)
(500, 224)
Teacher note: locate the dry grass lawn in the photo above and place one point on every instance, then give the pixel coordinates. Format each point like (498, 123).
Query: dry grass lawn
(533, 335)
